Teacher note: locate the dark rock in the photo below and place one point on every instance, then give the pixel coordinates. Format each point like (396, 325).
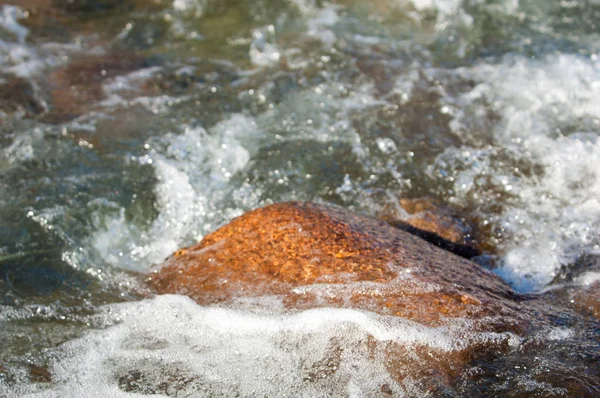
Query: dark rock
(18, 96)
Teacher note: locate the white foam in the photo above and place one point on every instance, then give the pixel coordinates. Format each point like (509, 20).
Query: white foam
(262, 51)
(207, 351)
(303, 6)
(443, 6)
(196, 7)
(8, 21)
(123, 92)
(16, 56)
(23, 59)
(559, 334)
(320, 26)
(557, 212)
(129, 81)
(123, 244)
(18, 59)
(588, 278)
(193, 170)
(22, 148)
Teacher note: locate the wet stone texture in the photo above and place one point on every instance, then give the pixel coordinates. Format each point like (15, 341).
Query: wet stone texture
(435, 223)
(318, 256)
(18, 96)
(77, 88)
(315, 256)
(427, 215)
(587, 299)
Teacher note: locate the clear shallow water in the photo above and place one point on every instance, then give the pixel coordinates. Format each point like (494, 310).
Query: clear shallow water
(129, 129)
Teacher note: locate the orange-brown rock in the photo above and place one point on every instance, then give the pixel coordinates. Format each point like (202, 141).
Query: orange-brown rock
(426, 215)
(315, 255)
(429, 216)
(435, 223)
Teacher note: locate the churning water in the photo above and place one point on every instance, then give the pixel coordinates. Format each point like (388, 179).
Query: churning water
(131, 128)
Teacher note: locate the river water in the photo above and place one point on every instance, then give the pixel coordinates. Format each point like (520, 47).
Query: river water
(131, 128)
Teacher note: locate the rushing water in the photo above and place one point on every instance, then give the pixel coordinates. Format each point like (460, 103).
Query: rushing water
(131, 128)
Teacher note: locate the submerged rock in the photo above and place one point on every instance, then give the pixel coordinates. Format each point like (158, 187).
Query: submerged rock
(314, 256)
(18, 96)
(78, 87)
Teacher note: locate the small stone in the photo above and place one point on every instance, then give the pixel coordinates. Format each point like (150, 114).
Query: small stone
(17, 95)
(435, 223)
(39, 374)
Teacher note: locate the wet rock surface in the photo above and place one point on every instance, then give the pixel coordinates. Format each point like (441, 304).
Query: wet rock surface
(435, 223)
(589, 299)
(131, 128)
(577, 285)
(429, 216)
(316, 255)
(77, 88)
(313, 256)
(18, 96)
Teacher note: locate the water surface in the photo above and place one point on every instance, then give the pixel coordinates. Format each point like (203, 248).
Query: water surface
(131, 128)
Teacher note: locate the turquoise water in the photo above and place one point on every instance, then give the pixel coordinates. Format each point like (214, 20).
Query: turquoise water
(131, 128)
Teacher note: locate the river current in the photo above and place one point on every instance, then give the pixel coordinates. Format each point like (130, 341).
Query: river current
(131, 128)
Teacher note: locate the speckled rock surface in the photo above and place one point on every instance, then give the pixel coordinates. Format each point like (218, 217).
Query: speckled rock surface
(429, 216)
(314, 256)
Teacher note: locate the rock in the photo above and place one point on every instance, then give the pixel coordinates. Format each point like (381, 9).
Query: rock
(435, 223)
(430, 216)
(89, 6)
(77, 88)
(314, 255)
(577, 285)
(39, 374)
(66, 20)
(18, 96)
